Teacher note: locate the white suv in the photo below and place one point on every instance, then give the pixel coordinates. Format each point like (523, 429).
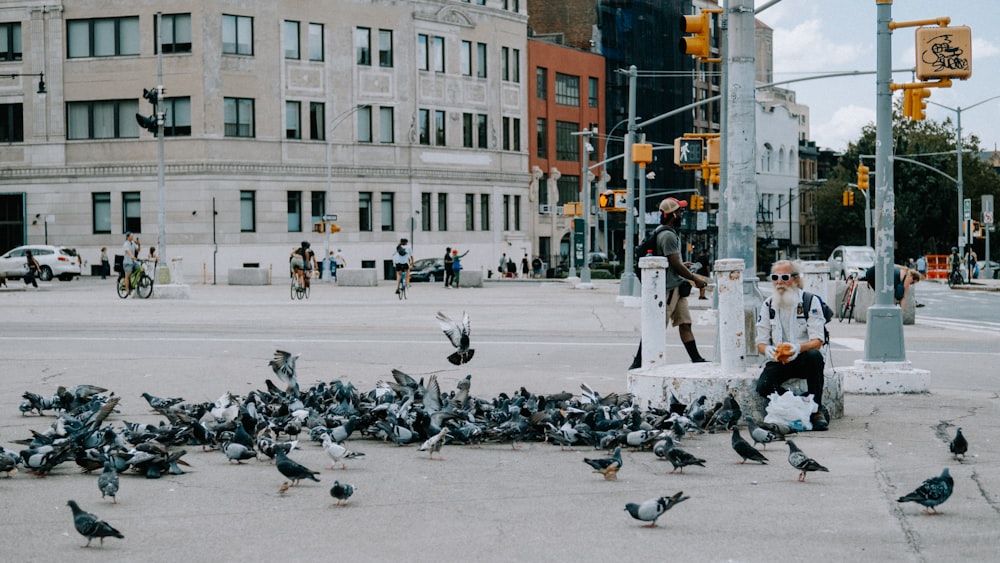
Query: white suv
(847, 260)
(56, 261)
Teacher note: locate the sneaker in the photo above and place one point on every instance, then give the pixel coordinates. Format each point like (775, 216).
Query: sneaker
(819, 423)
(699, 360)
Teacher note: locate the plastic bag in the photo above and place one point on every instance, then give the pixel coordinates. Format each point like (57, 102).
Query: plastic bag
(790, 410)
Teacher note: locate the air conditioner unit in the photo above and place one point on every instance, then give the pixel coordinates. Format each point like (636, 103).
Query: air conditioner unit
(544, 208)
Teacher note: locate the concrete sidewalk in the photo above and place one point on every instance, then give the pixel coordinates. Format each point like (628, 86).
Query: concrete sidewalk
(491, 503)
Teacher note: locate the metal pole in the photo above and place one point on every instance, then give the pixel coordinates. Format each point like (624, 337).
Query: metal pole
(958, 155)
(585, 186)
(884, 339)
(642, 199)
(160, 118)
(629, 284)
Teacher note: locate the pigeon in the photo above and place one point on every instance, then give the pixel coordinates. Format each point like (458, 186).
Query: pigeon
(237, 452)
(959, 445)
(761, 435)
(294, 471)
(458, 334)
(745, 450)
(341, 492)
(607, 466)
(931, 492)
(652, 509)
(107, 482)
(90, 526)
(283, 365)
(434, 443)
(677, 457)
(799, 460)
(159, 404)
(338, 453)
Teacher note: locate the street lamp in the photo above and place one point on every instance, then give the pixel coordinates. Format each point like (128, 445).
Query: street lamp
(585, 190)
(40, 75)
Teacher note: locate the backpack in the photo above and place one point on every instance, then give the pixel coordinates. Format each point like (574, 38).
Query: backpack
(806, 301)
(647, 246)
(401, 250)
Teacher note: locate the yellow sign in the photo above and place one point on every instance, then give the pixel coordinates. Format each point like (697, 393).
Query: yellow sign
(944, 52)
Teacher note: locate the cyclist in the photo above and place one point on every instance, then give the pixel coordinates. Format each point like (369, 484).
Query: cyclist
(955, 263)
(131, 260)
(402, 259)
(303, 260)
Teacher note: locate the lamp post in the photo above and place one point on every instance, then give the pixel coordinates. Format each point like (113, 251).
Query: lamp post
(40, 75)
(586, 195)
(605, 177)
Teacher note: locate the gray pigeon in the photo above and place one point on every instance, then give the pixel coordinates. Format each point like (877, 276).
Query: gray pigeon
(652, 509)
(90, 526)
(458, 334)
(283, 365)
(237, 452)
(761, 435)
(959, 445)
(745, 450)
(341, 492)
(294, 471)
(799, 460)
(607, 466)
(108, 482)
(677, 457)
(931, 492)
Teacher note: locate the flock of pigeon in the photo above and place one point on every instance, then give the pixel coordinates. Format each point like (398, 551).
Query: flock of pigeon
(269, 424)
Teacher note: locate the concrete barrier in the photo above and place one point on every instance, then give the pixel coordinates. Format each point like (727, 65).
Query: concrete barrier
(357, 277)
(247, 276)
(866, 298)
(471, 278)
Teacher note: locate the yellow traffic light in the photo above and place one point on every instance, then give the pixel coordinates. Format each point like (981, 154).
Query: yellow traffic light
(907, 104)
(918, 105)
(699, 44)
(606, 200)
(848, 199)
(713, 175)
(862, 177)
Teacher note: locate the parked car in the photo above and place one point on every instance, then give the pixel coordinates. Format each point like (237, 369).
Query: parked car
(427, 269)
(56, 261)
(847, 260)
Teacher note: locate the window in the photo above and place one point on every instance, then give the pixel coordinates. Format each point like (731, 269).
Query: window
(424, 126)
(516, 133)
(568, 188)
(363, 46)
(318, 208)
(291, 39)
(423, 60)
(505, 63)
(387, 211)
(237, 35)
(293, 120)
(365, 211)
(541, 138)
(11, 123)
(567, 90)
(317, 121)
(176, 33)
(470, 212)
(467, 130)
(385, 47)
(386, 125)
(438, 53)
(248, 211)
(567, 147)
(465, 58)
(481, 131)
(365, 124)
(425, 211)
(515, 65)
(177, 121)
(592, 92)
(131, 212)
(442, 212)
(295, 212)
(439, 128)
(103, 119)
(10, 41)
(316, 42)
(484, 212)
(103, 37)
(517, 213)
(506, 212)
(481, 60)
(541, 83)
(506, 133)
(238, 117)
(100, 204)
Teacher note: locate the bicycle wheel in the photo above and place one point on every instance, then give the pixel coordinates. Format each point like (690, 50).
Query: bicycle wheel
(300, 291)
(145, 287)
(307, 291)
(121, 288)
(292, 290)
(846, 308)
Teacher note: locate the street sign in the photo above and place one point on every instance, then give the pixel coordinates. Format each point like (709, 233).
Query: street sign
(987, 204)
(987, 217)
(968, 209)
(621, 197)
(578, 226)
(944, 52)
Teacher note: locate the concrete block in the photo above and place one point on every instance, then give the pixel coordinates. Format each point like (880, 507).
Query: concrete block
(471, 278)
(171, 291)
(866, 298)
(247, 276)
(884, 378)
(357, 277)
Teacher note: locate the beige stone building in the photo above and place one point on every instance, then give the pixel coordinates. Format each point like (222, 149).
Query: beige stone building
(403, 119)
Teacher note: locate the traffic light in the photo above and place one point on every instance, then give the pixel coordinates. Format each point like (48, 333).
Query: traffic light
(699, 44)
(713, 175)
(687, 152)
(918, 105)
(848, 200)
(150, 123)
(319, 227)
(606, 199)
(697, 202)
(862, 177)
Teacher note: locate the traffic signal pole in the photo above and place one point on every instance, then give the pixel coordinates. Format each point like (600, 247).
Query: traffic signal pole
(161, 189)
(629, 283)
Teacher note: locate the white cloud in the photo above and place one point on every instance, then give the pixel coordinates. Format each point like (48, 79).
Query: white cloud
(843, 128)
(983, 48)
(796, 49)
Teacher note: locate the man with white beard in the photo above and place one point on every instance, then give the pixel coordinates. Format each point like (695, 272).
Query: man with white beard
(791, 339)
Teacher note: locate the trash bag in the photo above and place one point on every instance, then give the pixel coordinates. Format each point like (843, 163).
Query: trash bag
(790, 410)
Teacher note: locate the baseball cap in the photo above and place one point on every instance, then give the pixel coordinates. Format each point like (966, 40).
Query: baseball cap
(670, 205)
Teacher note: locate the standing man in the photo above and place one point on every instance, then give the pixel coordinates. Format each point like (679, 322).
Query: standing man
(705, 270)
(131, 260)
(402, 259)
(791, 339)
(449, 275)
(668, 244)
(922, 265)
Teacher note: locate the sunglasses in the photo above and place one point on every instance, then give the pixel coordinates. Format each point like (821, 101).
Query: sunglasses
(783, 277)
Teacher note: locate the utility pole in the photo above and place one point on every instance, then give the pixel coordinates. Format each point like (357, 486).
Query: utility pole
(160, 118)
(629, 283)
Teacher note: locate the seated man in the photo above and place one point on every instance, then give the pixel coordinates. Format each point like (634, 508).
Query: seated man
(791, 340)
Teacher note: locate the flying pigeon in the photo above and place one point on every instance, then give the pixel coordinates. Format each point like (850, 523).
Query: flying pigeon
(652, 509)
(458, 333)
(341, 492)
(338, 453)
(107, 482)
(799, 460)
(90, 526)
(434, 443)
(761, 435)
(931, 492)
(294, 471)
(959, 445)
(677, 457)
(283, 365)
(607, 466)
(745, 450)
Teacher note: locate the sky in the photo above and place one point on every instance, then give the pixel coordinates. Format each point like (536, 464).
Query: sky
(817, 36)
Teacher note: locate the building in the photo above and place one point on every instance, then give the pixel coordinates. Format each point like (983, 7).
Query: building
(402, 119)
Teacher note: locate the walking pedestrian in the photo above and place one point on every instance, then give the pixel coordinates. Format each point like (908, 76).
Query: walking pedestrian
(105, 264)
(449, 273)
(456, 265)
(524, 266)
(33, 269)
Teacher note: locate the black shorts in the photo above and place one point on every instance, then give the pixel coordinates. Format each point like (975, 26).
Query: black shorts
(402, 267)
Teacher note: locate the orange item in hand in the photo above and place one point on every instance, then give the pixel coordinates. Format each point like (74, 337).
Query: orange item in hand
(783, 352)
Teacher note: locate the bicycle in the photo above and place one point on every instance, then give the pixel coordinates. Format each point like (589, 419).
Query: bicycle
(300, 289)
(955, 277)
(139, 282)
(849, 299)
(401, 290)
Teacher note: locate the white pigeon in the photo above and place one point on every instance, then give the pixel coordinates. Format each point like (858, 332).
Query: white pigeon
(434, 443)
(458, 334)
(338, 453)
